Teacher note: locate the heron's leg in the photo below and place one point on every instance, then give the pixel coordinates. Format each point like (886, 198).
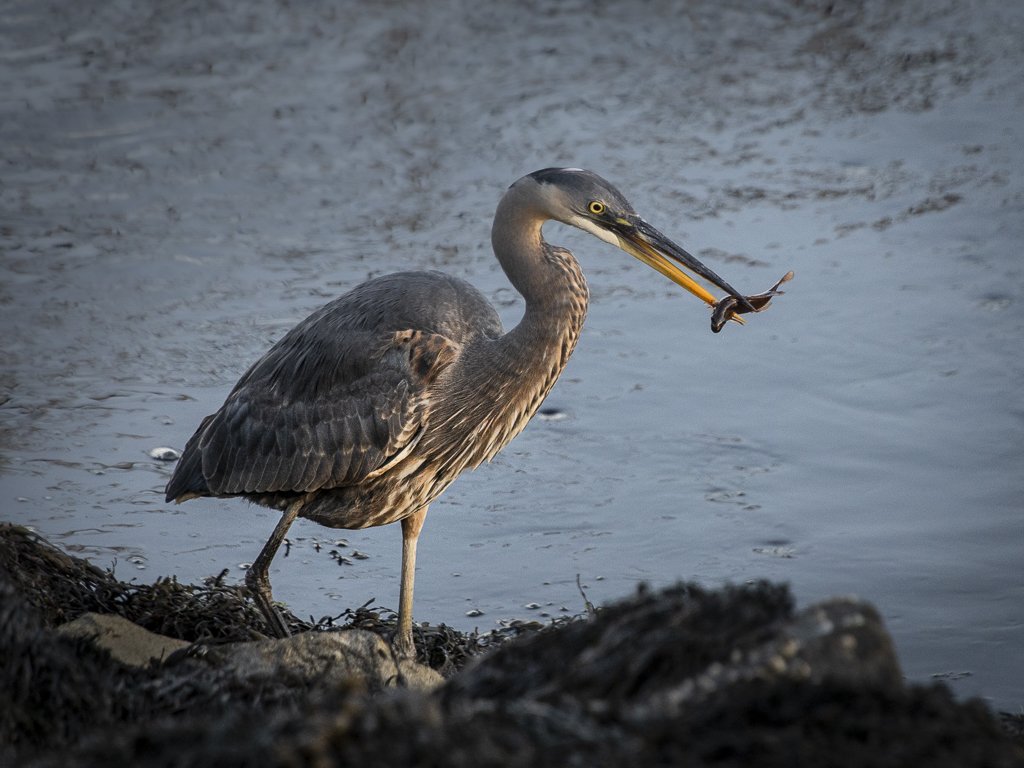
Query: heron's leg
(257, 578)
(411, 526)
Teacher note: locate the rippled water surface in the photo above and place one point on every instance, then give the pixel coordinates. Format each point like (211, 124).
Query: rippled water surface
(181, 184)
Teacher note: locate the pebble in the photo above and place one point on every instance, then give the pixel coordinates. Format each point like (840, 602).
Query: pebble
(164, 454)
(551, 414)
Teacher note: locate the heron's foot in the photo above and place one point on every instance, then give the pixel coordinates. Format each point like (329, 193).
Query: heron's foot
(275, 621)
(260, 591)
(403, 645)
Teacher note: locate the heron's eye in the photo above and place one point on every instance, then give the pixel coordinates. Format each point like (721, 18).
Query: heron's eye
(596, 207)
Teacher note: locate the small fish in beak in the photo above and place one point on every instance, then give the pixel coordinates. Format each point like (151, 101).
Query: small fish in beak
(729, 307)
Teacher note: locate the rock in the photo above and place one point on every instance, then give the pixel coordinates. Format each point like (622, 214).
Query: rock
(324, 658)
(838, 641)
(418, 677)
(683, 676)
(127, 642)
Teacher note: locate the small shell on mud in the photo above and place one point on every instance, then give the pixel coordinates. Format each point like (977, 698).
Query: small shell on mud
(164, 454)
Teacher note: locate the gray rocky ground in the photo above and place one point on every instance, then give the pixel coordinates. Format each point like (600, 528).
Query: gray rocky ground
(685, 676)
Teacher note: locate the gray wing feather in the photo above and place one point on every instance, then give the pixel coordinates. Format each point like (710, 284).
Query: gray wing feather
(303, 434)
(339, 394)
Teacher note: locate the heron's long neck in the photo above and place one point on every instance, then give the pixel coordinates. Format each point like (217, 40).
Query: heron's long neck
(512, 374)
(552, 284)
(533, 354)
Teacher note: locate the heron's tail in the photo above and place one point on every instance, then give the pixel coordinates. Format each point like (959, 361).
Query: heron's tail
(187, 481)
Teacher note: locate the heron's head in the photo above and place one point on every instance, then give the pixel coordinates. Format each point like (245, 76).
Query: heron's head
(585, 200)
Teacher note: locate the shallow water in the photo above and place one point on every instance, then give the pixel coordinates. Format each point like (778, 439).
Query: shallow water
(181, 186)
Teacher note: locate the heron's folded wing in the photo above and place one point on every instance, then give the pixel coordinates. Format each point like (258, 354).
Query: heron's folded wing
(323, 413)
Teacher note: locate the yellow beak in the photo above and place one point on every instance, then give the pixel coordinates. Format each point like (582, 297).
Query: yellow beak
(647, 244)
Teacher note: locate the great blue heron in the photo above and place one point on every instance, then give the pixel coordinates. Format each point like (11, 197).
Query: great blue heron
(368, 409)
